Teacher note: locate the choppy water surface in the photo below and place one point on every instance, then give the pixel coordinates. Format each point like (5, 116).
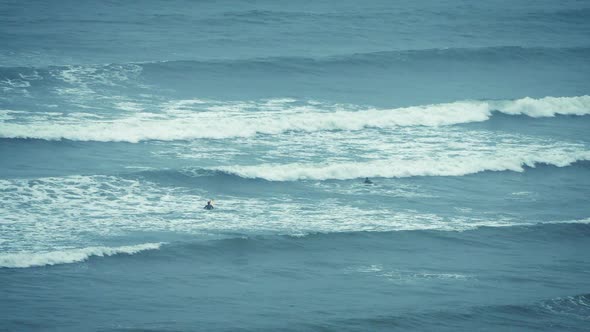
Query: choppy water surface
(118, 121)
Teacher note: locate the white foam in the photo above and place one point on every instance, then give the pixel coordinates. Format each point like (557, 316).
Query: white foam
(547, 107)
(194, 119)
(15, 83)
(70, 212)
(5, 115)
(405, 276)
(396, 168)
(129, 106)
(408, 276)
(110, 75)
(83, 115)
(34, 76)
(577, 307)
(521, 193)
(31, 259)
(83, 83)
(572, 221)
(369, 269)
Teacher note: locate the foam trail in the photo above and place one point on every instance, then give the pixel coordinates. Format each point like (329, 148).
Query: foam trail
(219, 120)
(445, 166)
(31, 259)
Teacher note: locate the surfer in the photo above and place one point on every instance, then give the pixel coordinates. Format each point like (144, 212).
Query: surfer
(367, 181)
(209, 206)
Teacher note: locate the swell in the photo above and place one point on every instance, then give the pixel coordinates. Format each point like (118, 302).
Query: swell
(559, 313)
(396, 58)
(166, 73)
(421, 56)
(491, 237)
(223, 245)
(220, 120)
(299, 63)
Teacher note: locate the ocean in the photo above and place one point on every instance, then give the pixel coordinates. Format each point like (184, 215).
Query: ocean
(120, 120)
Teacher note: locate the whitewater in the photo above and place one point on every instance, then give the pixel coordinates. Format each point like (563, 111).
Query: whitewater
(193, 119)
(22, 260)
(119, 122)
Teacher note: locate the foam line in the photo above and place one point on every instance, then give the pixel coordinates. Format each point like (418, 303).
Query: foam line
(30, 259)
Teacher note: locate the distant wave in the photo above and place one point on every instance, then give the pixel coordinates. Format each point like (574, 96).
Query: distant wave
(456, 166)
(489, 317)
(218, 120)
(380, 58)
(387, 58)
(31, 259)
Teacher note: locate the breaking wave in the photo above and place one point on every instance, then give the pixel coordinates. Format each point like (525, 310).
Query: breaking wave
(32, 259)
(445, 166)
(214, 119)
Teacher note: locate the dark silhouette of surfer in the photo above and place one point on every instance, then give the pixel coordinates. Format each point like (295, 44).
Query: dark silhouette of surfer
(367, 181)
(209, 206)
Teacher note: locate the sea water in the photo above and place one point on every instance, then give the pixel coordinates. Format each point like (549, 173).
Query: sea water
(119, 120)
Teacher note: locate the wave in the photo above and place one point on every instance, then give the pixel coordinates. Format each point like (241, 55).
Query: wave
(374, 58)
(31, 259)
(546, 107)
(577, 307)
(393, 61)
(186, 120)
(446, 166)
(560, 313)
(105, 206)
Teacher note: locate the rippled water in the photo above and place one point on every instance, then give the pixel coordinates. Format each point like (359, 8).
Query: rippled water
(119, 121)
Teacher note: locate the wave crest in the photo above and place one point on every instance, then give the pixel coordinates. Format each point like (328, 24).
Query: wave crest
(30, 259)
(446, 166)
(219, 120)
(547, 107)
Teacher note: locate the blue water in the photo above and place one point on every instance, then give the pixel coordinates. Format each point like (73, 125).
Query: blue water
(120, 120)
